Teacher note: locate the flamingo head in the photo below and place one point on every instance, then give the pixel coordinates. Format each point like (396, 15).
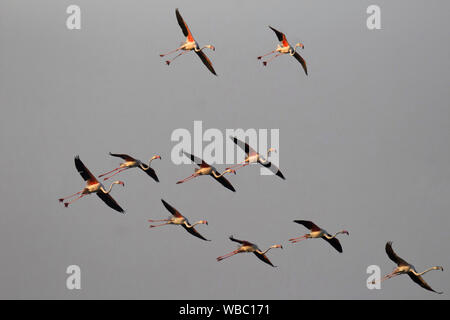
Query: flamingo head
(271, 150)
(300, 45)
(204, 222)
(119, 182)
(211, 47)
(278, 246)
(156, 157)
(345, 232)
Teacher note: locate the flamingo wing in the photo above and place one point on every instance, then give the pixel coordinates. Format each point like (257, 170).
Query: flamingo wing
(244, 146)
(269, 165)
(187, 33)
(393, 256)
(263, 258)
(123, 156)
(196, 160)
(281, 36)
(243, 242)
(224, 181)
(335, 243)
(151, 172)
(110, 201)
(308, 224)
(419, 280)
(302, 61)
(194, 233)
(172, 210)
(206, 61)
(84, 172)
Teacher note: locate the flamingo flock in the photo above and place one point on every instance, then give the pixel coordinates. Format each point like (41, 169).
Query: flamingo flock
(93, 185)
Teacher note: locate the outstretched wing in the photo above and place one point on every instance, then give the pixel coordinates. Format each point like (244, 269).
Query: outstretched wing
(84, 172)
(269, 165)
(223, 181)
(308, 224)
(243, 242)
(196, 160)
(301, 60)
(206, 61)
(335, 243)
(151, 172)
(187, 33)
(123, 156)
(263, 258)
(172, 210)
(194, 232)
(419, 280)
(393, 256)
(110, 201)
(244, 146)
(281, 37)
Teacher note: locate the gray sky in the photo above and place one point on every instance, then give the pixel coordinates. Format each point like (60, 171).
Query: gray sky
(364, 145)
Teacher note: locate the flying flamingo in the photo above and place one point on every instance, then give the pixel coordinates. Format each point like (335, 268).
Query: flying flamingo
(255, 157)
(190, 45)
(404, 267)
(179, 219)
(206, 169)
(246, 246)
(93, 186)
(285, 48)
(131, 162)
(317, 232)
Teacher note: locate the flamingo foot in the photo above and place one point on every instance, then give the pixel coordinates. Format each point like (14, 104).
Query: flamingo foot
(260, 57)
(265, 63)
(61, 200)
(168, 62)
(66, 204)
(162, 55)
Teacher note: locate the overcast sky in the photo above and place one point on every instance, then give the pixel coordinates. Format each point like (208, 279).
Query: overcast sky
(364, 146)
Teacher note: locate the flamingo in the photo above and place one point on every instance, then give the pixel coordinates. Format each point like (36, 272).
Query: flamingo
(246, 246)
(317, 232)
(285, 48)
(206, 169)
(255, 157)
(404, 267)
(131, 162)
(190, 45)
(93, 186)
(179, 219)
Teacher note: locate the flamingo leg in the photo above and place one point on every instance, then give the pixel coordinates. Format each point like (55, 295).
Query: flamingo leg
(227, 255)
(158, 225)
(68, 197)
(268, 60)
(298, 239)
(188, 178)
(173, 51)
(115, 174)
(178, 55)
(104, 174)
(238, 166)
(271, 52)
(158, 220)
(66, 204)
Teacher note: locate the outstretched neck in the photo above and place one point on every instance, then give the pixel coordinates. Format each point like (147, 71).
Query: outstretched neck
(109, 190)
(333, 236)
(429, 269)
(192, 225)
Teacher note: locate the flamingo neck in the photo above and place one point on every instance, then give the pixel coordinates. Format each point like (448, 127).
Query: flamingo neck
(109, 190)
(192, 225)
